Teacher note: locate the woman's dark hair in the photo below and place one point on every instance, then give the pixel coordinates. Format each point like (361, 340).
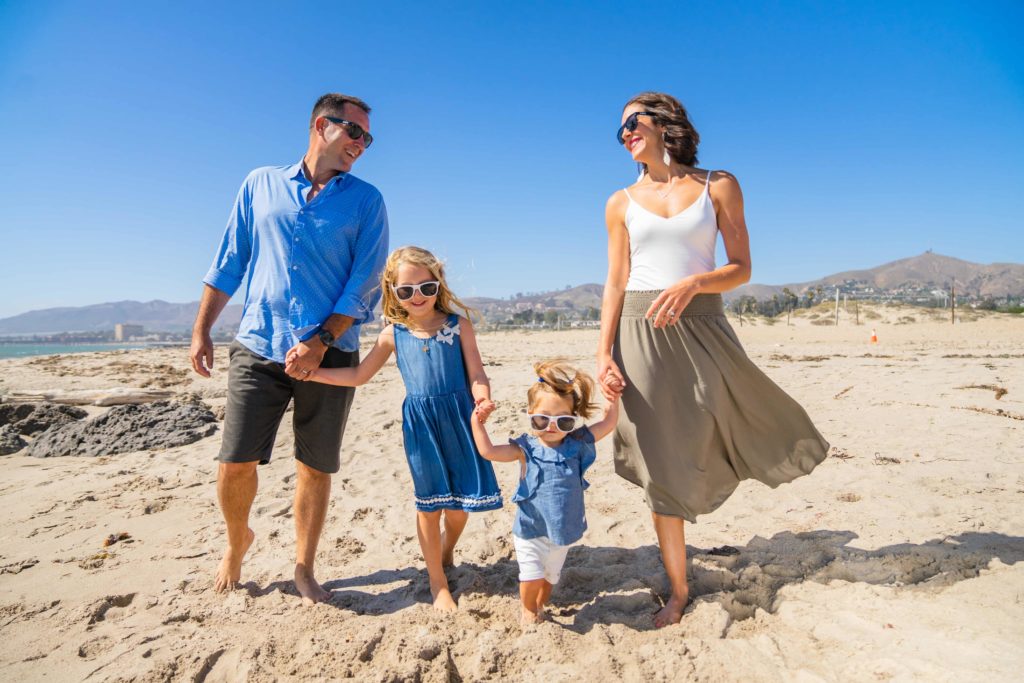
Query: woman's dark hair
(681, 138)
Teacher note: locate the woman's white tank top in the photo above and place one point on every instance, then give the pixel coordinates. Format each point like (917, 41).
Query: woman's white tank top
(663, 251)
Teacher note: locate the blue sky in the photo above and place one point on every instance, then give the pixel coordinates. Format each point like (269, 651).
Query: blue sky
(861, 132)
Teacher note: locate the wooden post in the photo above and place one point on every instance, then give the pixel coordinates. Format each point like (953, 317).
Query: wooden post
(952, 303)
(856, 312)
(837, 307)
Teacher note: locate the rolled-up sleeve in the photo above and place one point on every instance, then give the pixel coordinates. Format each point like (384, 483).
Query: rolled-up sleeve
(362, 291)
(232, 258)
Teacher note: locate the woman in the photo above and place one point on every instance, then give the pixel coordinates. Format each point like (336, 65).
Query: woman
(698, 417)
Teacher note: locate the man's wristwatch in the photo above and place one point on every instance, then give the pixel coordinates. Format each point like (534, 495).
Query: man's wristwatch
(325, 337)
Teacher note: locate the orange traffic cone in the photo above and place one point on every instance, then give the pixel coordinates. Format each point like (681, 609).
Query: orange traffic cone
(874, 337)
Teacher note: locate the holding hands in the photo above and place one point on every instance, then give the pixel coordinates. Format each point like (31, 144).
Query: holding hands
(484, 408)
(303, 359)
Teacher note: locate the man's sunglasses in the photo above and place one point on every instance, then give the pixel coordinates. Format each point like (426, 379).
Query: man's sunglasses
(405, 292)
(355, 131)
(628, 126)
(564, 423)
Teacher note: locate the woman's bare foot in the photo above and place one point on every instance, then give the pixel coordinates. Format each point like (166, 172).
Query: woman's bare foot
(527, 618)
(311, 591)
(229, 573)
(443, 600)
(672, 612)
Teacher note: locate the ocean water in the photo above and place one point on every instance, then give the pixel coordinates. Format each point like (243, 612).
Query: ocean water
(24, 350)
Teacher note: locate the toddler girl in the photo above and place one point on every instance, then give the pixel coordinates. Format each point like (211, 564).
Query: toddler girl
(552, 461)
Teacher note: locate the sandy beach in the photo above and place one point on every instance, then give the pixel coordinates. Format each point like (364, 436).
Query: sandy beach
(898, 558)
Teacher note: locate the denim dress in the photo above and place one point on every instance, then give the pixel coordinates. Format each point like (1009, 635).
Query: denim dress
(447, 470)
(550, 496)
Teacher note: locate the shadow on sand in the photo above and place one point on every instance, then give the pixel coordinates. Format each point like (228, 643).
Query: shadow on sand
(604, 585)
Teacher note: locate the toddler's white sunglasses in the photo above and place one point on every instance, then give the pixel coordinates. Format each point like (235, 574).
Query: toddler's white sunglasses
(564, 423)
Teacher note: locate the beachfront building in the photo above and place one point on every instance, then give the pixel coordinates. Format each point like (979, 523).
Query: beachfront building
(124, 332)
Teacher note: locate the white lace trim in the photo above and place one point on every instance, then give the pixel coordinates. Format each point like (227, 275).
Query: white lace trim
(466, 501)
(447, 333)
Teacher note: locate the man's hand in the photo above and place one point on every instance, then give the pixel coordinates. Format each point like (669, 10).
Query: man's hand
(201, 354)
(304, 358)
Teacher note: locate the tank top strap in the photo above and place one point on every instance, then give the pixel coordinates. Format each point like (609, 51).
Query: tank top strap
(628, 195)
(707, 184)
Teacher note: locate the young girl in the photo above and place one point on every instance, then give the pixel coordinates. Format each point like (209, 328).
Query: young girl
(552, 461)
(444, 378)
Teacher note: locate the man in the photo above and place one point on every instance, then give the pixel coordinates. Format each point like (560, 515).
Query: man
(309, 242)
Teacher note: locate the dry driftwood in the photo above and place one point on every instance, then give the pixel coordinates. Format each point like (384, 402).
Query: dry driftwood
(97, 397)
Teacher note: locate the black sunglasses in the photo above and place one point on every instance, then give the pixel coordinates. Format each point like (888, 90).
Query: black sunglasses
(355, 131)
(629, 125)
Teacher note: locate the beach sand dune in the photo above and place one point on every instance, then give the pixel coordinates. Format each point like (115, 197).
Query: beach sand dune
(899, 558)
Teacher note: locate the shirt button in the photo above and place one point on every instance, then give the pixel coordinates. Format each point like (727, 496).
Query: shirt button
(295, 267)
(296, 238)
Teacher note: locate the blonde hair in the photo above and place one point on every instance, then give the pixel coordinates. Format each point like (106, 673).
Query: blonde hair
(558, 377)
(417, 256)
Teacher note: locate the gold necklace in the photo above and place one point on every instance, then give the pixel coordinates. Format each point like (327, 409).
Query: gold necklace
(666, 193)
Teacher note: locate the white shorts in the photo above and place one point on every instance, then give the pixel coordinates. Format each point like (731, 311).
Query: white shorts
(539, 558)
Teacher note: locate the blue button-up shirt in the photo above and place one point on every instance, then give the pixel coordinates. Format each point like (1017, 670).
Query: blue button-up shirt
(301, 261)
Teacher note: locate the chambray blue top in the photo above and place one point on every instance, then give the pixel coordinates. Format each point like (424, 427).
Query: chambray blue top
(550, 496)
(301, 261)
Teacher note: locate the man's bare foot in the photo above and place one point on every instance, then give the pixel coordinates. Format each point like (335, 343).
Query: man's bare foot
(443, 600)
(528, 618)
(229, 573)
(672, 612)
(311, 591)
(447, 552)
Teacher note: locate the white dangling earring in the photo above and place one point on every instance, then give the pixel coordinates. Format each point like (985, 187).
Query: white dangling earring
(665, 157)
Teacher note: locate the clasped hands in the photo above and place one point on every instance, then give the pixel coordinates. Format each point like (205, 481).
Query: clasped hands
(303, 359)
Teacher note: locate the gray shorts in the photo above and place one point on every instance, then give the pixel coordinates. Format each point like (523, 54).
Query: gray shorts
(258, 394)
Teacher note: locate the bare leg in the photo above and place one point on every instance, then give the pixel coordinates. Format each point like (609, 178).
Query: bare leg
(312, 493)
(673, 555)
(529, 596)
(542, 598)
(236, 489)
(454, 523)
(428, 527)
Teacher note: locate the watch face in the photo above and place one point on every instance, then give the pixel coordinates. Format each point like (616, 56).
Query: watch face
(326, 337)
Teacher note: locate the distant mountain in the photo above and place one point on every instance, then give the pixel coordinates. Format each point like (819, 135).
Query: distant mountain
(917, 274)
(908, 279)
(155, 316)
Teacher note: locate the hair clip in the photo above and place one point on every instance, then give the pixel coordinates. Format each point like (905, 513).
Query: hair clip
(541, 380)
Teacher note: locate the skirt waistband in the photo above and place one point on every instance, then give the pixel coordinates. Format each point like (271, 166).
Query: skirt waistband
(635, 304)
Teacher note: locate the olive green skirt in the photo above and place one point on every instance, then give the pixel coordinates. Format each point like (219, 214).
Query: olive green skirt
(698, 416)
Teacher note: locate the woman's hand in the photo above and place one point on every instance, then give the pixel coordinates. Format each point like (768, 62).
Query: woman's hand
(609, 377)
(669, 305)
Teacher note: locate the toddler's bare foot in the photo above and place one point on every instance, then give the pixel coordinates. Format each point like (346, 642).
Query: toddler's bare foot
(229, 573)
(672, 612)
(311, 591)
(527, 618)
(443, 600)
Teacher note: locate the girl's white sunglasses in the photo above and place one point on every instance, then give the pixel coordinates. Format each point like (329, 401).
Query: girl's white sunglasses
(564, 423)
(405, 292)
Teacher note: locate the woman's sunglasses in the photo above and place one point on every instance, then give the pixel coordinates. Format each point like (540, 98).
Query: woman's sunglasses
(405, 292)
(628, 126)
(564, 423)
(355, 131)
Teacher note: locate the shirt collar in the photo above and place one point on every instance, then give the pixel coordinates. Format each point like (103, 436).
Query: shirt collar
(297, 172)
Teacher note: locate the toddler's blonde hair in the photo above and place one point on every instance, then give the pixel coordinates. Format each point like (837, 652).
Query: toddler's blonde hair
(557, 377)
